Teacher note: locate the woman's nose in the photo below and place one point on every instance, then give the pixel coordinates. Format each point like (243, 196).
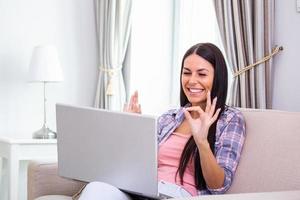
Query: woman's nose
(193, 79)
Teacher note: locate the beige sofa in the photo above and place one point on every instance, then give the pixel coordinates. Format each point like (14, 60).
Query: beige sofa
(270, 162)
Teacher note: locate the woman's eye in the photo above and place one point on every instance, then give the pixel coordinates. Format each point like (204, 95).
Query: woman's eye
(186, 73)
(202, 74)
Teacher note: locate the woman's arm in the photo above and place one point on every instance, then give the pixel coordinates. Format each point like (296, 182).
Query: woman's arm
(228, 147)
(213, 174)
(219, 168)
(200, 122)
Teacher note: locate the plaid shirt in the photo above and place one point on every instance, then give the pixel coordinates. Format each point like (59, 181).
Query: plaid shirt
(230, 136)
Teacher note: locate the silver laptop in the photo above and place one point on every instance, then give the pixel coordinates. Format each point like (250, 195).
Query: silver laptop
(113, 147)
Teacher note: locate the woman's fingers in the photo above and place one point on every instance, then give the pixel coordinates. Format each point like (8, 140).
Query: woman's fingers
(131, 102)
(214, 118)
(195, 108)
(187, 115)
(208, 101)
(213, 107)
(135, 97)
(137, 106)
(211, 113)
(133, 105)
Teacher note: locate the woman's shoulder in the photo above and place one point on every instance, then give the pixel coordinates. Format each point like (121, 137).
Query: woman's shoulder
(232, 123)
(173, 114)
(171, 111)
(232, 113)
(167, 121)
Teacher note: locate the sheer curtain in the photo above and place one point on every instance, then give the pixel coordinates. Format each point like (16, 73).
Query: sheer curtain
(113, 18)
(247, 33)
(194, 22)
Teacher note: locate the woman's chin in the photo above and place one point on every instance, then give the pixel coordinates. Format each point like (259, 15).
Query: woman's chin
(197, 102)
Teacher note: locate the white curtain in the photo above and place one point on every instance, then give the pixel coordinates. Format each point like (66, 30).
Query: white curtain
(190, 16)
(113, 18)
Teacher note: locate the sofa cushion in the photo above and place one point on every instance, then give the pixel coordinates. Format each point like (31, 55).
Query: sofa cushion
(270, 159)
(54, 197)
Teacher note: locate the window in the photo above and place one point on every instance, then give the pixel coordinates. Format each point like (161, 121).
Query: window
(161, 33)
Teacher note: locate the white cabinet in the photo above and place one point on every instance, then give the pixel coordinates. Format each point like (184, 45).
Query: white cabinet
(13, 150)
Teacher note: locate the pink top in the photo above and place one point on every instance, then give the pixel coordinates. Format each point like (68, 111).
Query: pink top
(169, 155)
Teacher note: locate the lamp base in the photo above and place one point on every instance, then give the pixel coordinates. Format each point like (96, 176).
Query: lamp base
(44, 133)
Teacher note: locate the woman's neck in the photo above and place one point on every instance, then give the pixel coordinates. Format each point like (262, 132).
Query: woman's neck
(202, 105)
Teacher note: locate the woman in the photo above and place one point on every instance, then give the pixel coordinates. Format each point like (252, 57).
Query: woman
(201, 142)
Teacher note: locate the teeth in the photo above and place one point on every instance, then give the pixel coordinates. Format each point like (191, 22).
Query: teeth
(195, 90)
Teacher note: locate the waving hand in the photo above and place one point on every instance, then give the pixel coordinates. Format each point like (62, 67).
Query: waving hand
(133, 106)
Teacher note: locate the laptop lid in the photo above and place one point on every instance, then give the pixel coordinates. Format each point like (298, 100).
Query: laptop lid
(113, 147)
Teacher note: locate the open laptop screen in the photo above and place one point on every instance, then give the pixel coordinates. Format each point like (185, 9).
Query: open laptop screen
(113, 147)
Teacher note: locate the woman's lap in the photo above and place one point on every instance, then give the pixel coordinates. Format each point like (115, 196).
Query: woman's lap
(100, 190)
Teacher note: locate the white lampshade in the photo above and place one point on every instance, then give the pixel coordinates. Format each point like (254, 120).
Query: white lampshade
(45, 65)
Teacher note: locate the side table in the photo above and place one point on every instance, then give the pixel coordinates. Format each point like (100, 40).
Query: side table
(14, 150)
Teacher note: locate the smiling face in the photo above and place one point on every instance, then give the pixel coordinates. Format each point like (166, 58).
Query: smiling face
(197, 79)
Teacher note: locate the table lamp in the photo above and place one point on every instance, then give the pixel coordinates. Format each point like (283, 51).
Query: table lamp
(45, 68)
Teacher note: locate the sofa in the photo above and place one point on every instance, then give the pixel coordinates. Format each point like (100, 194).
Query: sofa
(269, 165)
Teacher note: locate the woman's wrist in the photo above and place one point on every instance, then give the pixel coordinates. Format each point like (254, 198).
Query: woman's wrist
(202, 144)
(201, 138)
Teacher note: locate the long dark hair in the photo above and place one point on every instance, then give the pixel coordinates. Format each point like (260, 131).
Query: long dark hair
(214, 56)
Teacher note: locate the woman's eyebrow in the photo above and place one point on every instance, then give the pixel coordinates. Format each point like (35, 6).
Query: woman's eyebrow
(203, 69)
(186, 69)
(198, 70)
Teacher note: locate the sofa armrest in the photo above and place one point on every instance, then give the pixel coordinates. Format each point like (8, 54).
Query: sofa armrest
(43, 179)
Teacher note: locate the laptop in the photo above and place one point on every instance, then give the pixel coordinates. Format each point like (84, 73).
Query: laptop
(114, 147)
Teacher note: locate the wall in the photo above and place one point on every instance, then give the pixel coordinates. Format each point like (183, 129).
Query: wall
(286, 93)
(67, 24)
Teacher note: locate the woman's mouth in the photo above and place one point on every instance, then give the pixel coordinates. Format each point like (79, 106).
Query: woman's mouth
(195, 91)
